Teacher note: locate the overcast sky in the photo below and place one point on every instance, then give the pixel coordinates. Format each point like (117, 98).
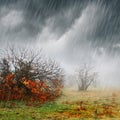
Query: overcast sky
(72, 32)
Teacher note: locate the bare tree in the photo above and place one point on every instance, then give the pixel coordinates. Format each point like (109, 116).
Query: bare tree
(85, 77)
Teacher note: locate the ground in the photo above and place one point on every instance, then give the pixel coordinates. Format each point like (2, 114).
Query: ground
(72, 105)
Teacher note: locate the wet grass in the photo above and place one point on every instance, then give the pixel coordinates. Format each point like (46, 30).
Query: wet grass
(71, 106)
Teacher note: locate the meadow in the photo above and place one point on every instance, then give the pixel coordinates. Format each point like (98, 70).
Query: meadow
(72, 105)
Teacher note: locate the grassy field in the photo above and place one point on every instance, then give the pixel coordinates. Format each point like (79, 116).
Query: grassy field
(72, 105)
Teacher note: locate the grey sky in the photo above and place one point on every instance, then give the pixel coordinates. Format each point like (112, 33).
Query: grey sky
(61, 16)
(70, 31)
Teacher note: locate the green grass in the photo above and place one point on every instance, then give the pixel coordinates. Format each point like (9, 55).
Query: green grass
(68, 107)
(22, 112)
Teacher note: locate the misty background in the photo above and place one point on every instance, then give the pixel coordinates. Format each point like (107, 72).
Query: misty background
(72, 32)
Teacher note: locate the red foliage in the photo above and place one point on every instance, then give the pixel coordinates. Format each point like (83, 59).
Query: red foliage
(40, 91)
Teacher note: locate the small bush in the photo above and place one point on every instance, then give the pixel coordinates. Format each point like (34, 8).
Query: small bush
(32, 79)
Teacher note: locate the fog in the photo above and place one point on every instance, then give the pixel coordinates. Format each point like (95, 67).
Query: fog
(73, 32)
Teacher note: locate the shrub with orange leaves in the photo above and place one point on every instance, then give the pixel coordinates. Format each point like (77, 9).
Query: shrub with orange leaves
(11, 89)
(25, 75)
